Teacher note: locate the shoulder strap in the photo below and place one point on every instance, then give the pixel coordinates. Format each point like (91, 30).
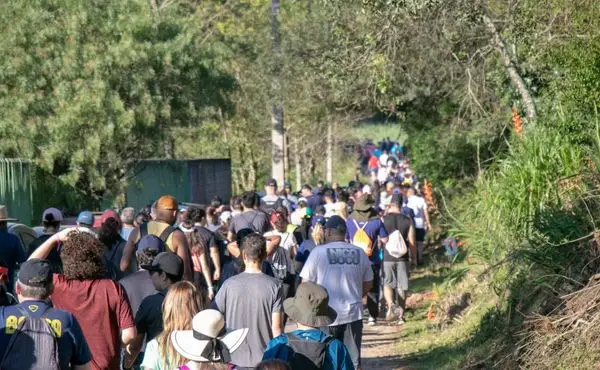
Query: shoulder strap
(143, 230)
(166, 233)
(23, 311)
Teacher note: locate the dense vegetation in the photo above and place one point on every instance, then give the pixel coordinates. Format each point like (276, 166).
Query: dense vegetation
(499, 100)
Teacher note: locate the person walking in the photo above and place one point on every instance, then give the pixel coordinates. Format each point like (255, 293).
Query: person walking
(308, 347)
(182, 302)
(345, 271)
(366, 230)
(99, 304)
(11, 252)
(34, 287)
(395, 266)
(252, 300)
(421, 219)
(51, 220)
(207, 346)
(165, 214)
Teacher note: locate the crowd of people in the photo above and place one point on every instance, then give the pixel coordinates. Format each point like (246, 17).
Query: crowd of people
(190, 287)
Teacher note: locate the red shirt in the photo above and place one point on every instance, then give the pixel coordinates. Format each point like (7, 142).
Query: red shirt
(102, 309)
(373, 162)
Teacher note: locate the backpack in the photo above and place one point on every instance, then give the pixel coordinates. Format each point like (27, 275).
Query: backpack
(163, 236)
(396, 246)
(33, 345)
(361, 239)
(307, 354)
(270, 206)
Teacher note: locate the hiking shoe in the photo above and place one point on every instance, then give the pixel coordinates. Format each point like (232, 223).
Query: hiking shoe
(372, 321)
(401, 322)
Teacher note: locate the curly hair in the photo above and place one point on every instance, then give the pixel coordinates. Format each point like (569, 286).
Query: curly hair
(82, 257)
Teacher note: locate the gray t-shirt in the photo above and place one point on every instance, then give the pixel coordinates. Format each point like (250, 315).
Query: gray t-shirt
(253, 219)
(248, 301)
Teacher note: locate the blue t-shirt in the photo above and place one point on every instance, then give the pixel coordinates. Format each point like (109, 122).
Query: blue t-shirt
(72, 347)
(336, 357)
(374, 228)
(11, 254)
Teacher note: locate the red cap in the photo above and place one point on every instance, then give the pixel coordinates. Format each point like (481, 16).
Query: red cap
(109, 213)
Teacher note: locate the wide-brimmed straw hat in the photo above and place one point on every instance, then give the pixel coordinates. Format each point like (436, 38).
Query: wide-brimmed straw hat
(310, 306)
(4, 214)
(208, 341)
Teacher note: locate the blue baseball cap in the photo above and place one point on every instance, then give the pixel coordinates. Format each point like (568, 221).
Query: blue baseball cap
(150, 242)
(86, 218)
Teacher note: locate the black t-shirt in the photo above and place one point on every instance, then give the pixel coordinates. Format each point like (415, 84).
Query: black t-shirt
(393, 222)
(208, 241)
(53, 257)
(137, 286)
(148, 319)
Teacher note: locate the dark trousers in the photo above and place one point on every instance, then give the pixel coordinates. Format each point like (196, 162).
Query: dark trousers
(351, 335)
(373, 295)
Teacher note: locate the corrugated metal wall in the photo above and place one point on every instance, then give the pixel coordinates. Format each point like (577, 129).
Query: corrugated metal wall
(15, 189)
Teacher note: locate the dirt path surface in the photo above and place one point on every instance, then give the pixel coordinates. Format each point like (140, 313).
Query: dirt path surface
(380, 347)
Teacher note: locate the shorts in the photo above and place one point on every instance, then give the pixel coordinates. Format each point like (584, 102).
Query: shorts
(420, 234)
(395, 274)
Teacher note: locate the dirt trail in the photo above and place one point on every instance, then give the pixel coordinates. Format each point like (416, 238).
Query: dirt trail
(380, 347)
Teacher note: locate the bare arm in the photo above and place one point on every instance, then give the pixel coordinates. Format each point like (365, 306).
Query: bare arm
(128, 337)
(129, 250)
(216, 260)
(412, 244)
(272, 243)
(132, 350)
(234, 250)
(367, 286)
(44, 250)
(207, 276)
(183, 251)
(277, 324)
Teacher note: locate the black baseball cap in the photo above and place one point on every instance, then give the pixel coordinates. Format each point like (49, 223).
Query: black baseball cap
(336, 223)
(167, 262)
(35, 273)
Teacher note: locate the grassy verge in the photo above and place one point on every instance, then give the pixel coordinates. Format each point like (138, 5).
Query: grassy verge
(443, 342)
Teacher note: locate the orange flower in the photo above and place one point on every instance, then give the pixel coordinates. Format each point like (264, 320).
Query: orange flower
(517, 122)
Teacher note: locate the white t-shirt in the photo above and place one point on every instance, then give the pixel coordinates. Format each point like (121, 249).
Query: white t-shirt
(288, 240)
(382, 174)
(329, 209)
(341, 268)
(383, 159)
(418, 205)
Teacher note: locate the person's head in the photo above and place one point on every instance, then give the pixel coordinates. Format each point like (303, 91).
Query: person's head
(310, 306)
(273, 364)
(335, 185)
(320, 184)
(147, 248)
(236, 204)
(342, 196)
(110, 232)
(51, 220)
(211, 216)
(199, 343)
(287, 187)
(254, 249)
(256, 201)
(306, 190)
(410, 192)
(302, 203)
(166, 209)
(328, 196)
(182, 302)
(128, 216)
(4, 218)
(85, 219)
(34, 280)
(389, 186)
(320, 211)
(335, 229)
(396, 203)
(196, 215)
(216, 202)
(271, 187)
(248, 200)
(356, 191)
(81, 255)
(278, 221)
(166, 269)
(318, 234)
(140, 219)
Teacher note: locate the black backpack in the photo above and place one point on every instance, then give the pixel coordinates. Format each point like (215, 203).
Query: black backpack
(307, 354)
(270, 206)
(32, 346)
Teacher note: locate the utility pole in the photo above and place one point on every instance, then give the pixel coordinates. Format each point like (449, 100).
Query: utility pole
(277, 127)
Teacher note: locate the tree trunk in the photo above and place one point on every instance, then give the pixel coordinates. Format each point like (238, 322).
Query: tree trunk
(277, 130)
(511, 68)
(297, 165)
(286, 154)
(329, 154)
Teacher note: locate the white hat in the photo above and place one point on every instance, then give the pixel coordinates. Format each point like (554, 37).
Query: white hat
(225, 216)
(366, 189)
(208, 341)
